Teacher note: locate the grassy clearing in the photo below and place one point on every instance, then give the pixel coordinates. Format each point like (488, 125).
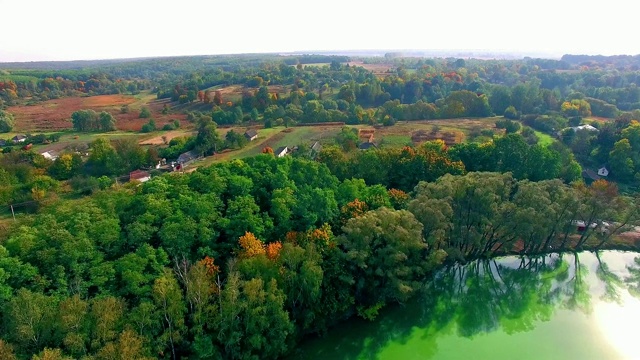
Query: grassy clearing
(395, 140)
(544, 139)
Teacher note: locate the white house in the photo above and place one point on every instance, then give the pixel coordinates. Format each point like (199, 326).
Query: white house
(19, 139)
(603, 171)
(251, 134)
(282, 151)
(584, 127)
(50, 155)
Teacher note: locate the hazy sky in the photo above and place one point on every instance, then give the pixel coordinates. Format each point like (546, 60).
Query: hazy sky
(86, 29)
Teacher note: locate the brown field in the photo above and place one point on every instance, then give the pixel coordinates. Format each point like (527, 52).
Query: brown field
(377, 69)
(53, 115)
(158, 140)
(233, 93)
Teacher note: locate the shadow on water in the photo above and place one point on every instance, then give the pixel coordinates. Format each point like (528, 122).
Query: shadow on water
(512, 294)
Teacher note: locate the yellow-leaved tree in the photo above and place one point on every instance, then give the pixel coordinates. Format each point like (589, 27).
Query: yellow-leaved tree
(251, 246)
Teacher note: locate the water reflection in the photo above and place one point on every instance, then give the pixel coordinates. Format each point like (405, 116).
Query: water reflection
(583, 299)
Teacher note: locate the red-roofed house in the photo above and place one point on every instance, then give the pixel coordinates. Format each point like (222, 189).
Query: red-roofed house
(139, 175)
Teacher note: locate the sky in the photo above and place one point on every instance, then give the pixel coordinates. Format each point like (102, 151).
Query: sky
(38, 30)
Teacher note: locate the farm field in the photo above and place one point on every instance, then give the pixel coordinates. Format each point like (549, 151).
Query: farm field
(161, 137)
(55, 115)
(380, 70)
(401, 134)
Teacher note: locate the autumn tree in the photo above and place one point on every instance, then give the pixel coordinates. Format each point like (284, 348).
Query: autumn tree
(251, 246)
(217, 98)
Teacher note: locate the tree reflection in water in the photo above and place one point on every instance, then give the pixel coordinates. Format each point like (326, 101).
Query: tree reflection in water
(513, 294)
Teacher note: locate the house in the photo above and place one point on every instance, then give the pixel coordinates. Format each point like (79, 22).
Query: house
(603, 171)
(590, 176)
(251, 134)
(315, 150)
(367, 145)
(19, 139)
(139, 175)
(585, 127)
(282, 151)
(50, 155)
(187, 157)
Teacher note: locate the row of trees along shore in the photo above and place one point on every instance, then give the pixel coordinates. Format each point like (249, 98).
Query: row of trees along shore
(242, 259)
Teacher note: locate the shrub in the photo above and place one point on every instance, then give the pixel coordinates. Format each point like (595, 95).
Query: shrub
(511, 113)
(145, 113)
(149, 127)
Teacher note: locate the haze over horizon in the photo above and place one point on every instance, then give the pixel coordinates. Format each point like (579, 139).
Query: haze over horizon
(77, 30)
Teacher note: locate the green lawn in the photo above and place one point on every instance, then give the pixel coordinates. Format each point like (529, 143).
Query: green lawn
(544, 139)
(395, 140)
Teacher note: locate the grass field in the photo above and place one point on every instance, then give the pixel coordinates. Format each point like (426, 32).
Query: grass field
(544, 139)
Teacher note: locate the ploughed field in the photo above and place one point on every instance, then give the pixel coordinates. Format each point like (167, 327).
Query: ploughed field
(54, 115)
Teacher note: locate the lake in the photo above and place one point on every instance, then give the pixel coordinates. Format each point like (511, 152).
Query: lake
(558, 306)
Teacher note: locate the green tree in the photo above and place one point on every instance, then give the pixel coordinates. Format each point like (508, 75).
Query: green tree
(145, 113)
(386, 255)
(107, 121)
(74, 324)
(85, 120)
(207, 139)
(620, 160)
(103, 159)
(347, 138)
(7, 121)
(168, 298)
(66, 166)
(252, 321)
(29, 319)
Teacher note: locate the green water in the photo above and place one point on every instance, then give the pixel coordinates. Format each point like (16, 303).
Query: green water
(552, 307)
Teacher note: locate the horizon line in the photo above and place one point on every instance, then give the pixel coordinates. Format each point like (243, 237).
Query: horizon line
(427, 53)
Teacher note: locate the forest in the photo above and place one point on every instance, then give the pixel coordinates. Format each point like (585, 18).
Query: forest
(245, 258)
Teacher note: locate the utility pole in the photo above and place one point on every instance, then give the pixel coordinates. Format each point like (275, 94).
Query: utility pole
(12, 213)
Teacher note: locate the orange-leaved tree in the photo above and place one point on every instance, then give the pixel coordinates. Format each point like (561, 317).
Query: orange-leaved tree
(353, 209)
(273, 250)
(251, 246)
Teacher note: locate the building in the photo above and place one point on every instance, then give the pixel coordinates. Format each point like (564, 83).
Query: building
(282, 151)
(367, 145)
(19, 139)
(251, 134)
(590, 176)
(603, 171)
(584, 127)
(139, 175)
(315, 150)
(50, 155)
(187, 157)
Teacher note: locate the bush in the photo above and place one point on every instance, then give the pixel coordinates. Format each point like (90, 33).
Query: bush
(388, 121)
(509, 125)
(168, 127)
(511, 113)
(145, 113)
(84, 185)
(149, 127)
